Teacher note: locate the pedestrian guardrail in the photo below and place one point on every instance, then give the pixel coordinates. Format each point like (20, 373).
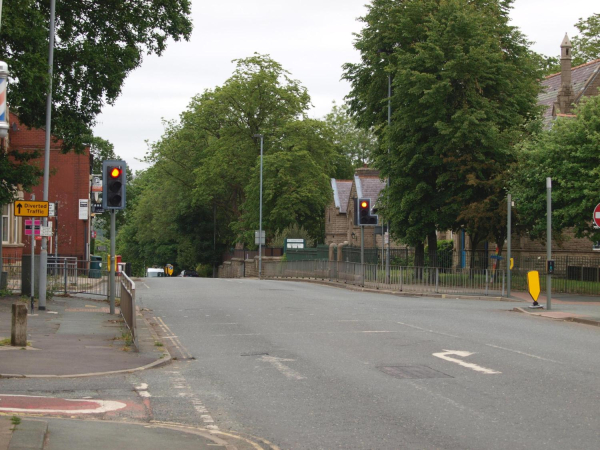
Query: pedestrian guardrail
(485, 282)
(127, 306)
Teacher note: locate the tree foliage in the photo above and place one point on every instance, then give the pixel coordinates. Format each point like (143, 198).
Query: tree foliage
(569, 154)
(464, 86)
(586, 45)
(201, 194)
(356, 146)
(97, 45)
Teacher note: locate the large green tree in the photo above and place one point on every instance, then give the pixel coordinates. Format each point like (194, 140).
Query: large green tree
(201, 194)
(354, 145)
(586, 45)
(569, 153)
(97, 45)
(464, 86)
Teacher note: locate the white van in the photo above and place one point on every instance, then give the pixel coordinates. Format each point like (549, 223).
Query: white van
(153, 273)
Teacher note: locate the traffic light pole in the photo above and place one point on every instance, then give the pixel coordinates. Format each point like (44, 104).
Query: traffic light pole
(111, 260)
(548, 241)
(362, 255)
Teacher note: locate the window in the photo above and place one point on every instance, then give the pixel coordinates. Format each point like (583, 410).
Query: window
(596, 246)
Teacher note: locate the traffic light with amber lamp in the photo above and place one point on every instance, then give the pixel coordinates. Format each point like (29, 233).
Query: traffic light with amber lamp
(364, 214)
(114, 180)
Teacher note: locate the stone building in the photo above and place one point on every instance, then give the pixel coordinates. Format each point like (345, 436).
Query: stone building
(339, 214)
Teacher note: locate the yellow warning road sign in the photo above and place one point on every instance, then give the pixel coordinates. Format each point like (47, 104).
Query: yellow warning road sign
(30, 208)
(533, 284)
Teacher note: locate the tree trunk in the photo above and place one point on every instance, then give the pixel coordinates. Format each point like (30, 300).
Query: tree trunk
(432, 249)
(419, 260)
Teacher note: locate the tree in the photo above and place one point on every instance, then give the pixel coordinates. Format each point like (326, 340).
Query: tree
(354, 145)
(586, 46)
(569, 153)
(296, 187)
(201, 194)
(97, 45)
(464, 87)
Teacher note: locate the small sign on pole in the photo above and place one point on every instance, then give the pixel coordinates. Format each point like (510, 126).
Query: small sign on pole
(83, 209)
(28, 227)
(258, 241)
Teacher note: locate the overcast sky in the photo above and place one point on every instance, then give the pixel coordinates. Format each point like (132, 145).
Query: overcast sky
(310, 38)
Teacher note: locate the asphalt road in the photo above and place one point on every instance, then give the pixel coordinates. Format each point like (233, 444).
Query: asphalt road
(305, 366)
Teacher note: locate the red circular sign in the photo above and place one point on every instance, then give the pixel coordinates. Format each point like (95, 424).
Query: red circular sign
(597, 215)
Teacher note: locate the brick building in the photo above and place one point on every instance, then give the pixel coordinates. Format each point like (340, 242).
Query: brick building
(68, 183)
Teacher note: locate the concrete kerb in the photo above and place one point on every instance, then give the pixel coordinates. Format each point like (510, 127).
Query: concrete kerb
(398, 293)
(581, 320)
(159, 362)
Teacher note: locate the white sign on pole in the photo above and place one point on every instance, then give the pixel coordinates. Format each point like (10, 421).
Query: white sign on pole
(386, 238)
(51, 210)
(83, 208)
(46, 231)
(262, 238)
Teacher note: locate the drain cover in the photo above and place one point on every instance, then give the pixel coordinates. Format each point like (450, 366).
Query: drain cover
(405, 372)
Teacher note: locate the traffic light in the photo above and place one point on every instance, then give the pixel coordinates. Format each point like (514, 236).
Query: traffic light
(550, 266)
(114, 180)
(363, 215)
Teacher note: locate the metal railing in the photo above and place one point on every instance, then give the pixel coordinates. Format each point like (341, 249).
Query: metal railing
(13, 268)
(65, 276)
(70, 278)
(407, 279)
(127, 306)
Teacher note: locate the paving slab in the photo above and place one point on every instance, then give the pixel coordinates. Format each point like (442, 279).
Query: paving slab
(75, 337)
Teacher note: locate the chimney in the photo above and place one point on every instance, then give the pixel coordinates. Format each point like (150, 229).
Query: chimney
(366, 172)
(565, 94)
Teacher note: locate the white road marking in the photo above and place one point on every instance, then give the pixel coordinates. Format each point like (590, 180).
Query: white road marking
(103, 406)
(179, 382)
(523, 353)
(460, 362)
(277, 363)
(429, 331)
(147, 287)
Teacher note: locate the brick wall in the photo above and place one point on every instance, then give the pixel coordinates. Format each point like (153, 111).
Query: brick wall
(68, 182)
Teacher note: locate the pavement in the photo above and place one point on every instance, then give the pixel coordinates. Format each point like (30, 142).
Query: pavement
(77, 337)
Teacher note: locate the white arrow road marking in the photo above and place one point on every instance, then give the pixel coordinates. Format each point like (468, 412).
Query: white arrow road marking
(277, 363)
(464, 354)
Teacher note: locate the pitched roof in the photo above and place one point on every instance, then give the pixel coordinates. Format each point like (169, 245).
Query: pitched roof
(581, 76)
(368, 187)
(341, 194)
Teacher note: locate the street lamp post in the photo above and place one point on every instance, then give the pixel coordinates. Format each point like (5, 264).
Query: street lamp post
(260, 208)
(44, 250)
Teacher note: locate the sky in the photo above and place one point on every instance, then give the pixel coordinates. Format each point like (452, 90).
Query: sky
(312, 39)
